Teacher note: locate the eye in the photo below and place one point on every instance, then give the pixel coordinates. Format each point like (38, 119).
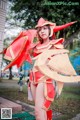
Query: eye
(39, 29)
(45, 27)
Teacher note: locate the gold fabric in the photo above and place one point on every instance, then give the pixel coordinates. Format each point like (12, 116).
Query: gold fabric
(58, 67)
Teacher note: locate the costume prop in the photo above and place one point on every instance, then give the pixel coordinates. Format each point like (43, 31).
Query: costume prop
(55, 66)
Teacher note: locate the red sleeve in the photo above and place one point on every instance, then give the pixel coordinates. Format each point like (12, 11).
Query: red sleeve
(57, 28)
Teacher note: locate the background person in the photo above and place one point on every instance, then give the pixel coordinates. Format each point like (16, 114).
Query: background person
(20, 82)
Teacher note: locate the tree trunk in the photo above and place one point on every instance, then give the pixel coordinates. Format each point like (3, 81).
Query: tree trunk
(71, 38)
(10, 75)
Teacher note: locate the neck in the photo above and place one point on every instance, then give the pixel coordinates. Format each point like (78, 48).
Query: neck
(45, 41)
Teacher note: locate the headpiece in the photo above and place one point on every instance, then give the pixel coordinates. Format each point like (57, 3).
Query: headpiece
(43, 22)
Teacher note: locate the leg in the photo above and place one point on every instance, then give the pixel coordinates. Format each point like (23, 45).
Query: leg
(33, 91)
(30, 97)
(21, 88)
(39, 101)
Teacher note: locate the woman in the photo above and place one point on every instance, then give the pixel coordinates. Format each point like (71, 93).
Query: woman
(50, 61)
(42, 100)
(42, 87)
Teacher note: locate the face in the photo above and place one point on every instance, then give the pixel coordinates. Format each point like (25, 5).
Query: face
(43, 32)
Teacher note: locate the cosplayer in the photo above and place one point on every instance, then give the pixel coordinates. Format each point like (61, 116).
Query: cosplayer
(51, 63)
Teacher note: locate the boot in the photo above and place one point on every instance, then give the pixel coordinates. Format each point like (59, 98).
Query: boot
(49, 115)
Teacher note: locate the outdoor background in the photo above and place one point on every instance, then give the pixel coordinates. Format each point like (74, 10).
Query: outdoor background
(24, 14)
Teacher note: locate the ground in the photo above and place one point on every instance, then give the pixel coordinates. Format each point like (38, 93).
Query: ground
(67, 104)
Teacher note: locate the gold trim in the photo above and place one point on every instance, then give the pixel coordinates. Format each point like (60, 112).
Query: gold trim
(11, 51)
(16, 56)
(8, 58)
(46, 23)
(52, 30)
(26, 37)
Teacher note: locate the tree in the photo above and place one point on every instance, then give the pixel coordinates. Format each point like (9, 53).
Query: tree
(6, 43)
(60, 12)
(10, 25)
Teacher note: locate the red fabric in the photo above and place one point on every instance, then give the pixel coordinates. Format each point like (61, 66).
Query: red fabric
(42, 22)
(4, 51)
(31, 34)
(47, 104)
(57, 28)
(20, 47)
(49, 115)
(37, 76)
(17, 44)
(50, 89)
(35, 54)
(31, 76)
(16, 48)
(50, 93)
(20, 58)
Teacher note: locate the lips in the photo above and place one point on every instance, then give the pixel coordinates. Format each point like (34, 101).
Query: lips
(43, 35)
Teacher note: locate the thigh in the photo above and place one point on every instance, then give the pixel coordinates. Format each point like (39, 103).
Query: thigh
(40, 95)
(39, 102)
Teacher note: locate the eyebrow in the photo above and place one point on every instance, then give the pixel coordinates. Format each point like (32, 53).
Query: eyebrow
(41, 27)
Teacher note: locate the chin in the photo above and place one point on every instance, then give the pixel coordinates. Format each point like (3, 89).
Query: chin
(44, 38)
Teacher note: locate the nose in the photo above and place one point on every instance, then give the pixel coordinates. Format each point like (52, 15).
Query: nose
(42, 30)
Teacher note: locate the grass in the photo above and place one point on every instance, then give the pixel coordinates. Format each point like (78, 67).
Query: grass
(68, 104)
(14, 94)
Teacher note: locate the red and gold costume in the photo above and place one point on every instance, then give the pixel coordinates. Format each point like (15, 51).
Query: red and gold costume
(50, 61)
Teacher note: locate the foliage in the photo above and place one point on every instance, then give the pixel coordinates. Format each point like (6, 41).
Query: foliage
(30, 12)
